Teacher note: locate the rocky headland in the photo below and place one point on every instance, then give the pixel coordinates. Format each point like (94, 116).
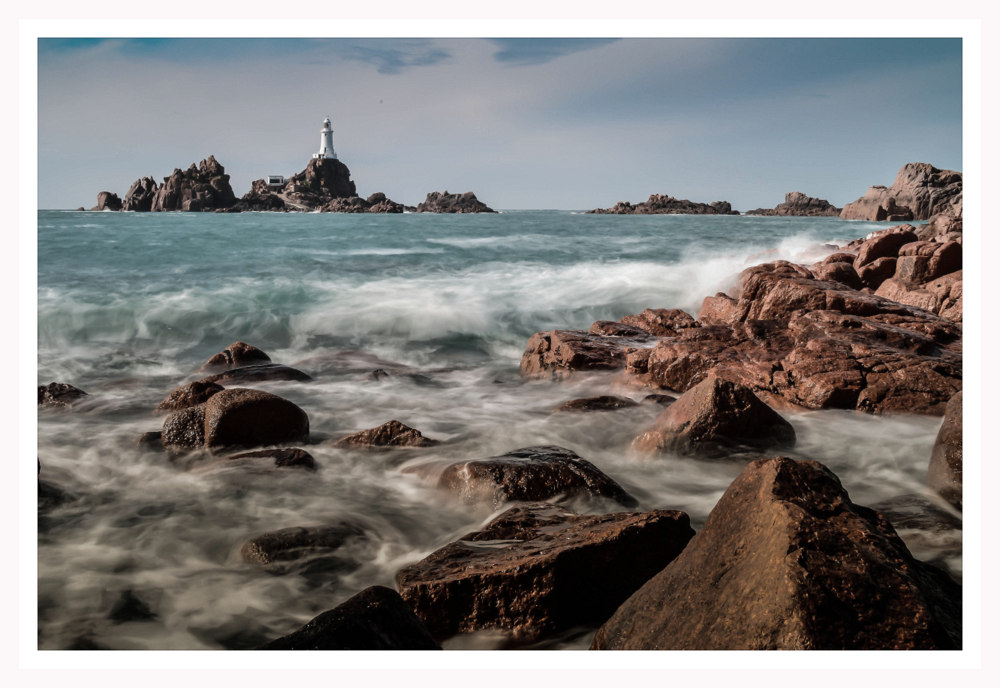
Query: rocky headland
(797, 204)
(661, 204)
(919, 192)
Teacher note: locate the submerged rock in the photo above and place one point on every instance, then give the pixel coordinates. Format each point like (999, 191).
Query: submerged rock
(279, 458)
(531, 474)
(376, 618)
(602, 403)
(534, 571)
(264, 372)
(291, 544)
(59, 394)
(787, 561)
(716, 418)
(389, 434)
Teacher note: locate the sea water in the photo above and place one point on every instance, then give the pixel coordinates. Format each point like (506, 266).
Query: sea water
(131, 304)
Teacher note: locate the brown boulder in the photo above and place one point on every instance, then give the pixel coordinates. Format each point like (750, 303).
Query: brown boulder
(884, 244)
(942, 295)
(376, 618)
(875, 273)
(278, 458)
(535, 571)
(944, 475)
(923, 261)
(787, 561)
(716, 418)
(560, 352)
(191, 394)
(920, 191)
(256, 373)
(236, 418)
(660, 322)
(838, 272)
(389, 434)
(531, 474)
(235, 355)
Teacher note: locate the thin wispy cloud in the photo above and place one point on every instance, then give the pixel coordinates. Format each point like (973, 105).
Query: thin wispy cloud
(534, 51)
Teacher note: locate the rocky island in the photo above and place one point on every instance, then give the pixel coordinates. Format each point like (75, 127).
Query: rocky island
(797, 204)
(661, 204)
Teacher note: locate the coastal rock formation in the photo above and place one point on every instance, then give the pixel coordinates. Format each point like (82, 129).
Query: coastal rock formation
(323, 180)
(203, 187)
(191, 394)
(376, 203)
(661, 204)
(437, 202)
(789, 337)
(716, 418)
(919, 192)
(944, 475)
(797, 204)
(274, 458)
(108, 201)
(260, 197)
(376, 618)
(535, 571)
(139, 197)
(531, 474)
(59, 394)
(389, 434)
(787, 561)
(291, 544)
(236, 418)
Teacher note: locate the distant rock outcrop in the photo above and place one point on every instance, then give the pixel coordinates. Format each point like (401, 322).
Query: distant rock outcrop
(920, 191)
(108, 201)
(323, 180)
(661, 204)
(467, 202)
(260, 197)
(797, 204)
(204, 187)
(376, 203)
(139, 197)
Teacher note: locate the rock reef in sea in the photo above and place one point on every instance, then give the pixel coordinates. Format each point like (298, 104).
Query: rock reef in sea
(797, 204)
(662, 204)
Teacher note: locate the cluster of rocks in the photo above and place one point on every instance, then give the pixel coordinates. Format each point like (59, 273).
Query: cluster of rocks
(325, 185)
(919, 192)
(661, 204)
(797, 204)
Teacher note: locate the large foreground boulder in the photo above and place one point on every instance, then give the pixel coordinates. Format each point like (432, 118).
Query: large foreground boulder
(787, 561)
(944, 475)
(376, 618)
(531, 474)
(716, 418)
(236, 417)
(534, 571)
(920, 191)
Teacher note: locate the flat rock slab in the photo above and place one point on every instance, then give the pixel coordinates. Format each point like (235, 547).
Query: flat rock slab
(787, 561)
(531, 474)
(716, 418)
(389, 434)
(538, 570)
(601, 403)
(376, 618)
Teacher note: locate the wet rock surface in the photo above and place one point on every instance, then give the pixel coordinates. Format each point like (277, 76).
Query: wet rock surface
(376, 618)
(59, 395)
(601, 403)
(389, 434)
(716, 418)
(787, 561)
(291, 544)
(291, 457)
(944, 474)
(534, 571)
(191, 394)
(531, 474)
(235, 355)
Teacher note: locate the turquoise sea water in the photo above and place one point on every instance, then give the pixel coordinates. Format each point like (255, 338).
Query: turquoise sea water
(130, 305)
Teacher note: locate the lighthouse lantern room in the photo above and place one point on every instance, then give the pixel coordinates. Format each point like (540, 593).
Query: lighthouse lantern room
(326, 142)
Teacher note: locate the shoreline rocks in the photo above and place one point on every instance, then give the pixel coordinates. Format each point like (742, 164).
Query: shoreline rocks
(944, 474)
(390, 434)
(787, 561)
(662, 204)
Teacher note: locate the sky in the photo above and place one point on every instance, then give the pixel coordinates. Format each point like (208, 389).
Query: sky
(567, 123)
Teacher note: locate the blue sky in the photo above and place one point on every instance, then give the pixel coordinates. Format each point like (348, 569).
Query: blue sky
(524, 122)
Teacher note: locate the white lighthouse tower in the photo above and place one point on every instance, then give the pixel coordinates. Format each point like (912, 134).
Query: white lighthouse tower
(326, 142)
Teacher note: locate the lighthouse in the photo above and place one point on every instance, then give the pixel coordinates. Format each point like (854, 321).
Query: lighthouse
(326, 142)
